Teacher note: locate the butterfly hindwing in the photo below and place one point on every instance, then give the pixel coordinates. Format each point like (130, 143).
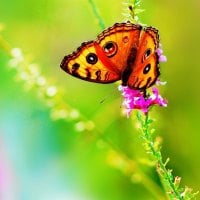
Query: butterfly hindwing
(145, 68)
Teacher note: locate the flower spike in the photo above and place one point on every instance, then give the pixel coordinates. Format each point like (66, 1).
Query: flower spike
(136, 99)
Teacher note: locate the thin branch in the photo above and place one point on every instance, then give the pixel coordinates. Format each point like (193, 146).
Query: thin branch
(97, 14)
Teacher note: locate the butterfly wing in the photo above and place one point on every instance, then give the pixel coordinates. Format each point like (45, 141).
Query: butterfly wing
(85, 64)
(103, 59)
(145, 69)
(117, 41)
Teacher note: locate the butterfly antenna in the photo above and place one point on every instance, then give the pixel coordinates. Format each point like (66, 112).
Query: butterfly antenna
(103, 100)
(108, 96)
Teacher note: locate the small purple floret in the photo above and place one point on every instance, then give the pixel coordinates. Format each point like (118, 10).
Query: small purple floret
(135, 99)
(161, 57)
(159, 82)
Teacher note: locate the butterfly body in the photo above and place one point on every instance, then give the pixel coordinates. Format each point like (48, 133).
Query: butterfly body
(125, 52)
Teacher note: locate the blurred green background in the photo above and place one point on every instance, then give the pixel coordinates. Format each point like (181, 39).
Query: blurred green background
(45, 159)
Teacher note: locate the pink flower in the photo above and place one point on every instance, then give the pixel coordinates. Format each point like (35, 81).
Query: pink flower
(135, 99)
(161, 57)
(159, 82)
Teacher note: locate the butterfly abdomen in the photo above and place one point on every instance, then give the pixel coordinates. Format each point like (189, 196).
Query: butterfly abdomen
(129, 67)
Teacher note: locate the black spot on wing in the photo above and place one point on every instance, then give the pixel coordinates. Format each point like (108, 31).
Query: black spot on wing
(148, 83)
(98, 75)
(146, 68)
(74, 69)
(92, 58)
(75, 66)
(88, 73)
(107, 76)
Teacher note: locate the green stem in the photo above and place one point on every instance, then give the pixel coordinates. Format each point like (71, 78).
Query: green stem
(146, 181)
(97, 14)
(164, 173)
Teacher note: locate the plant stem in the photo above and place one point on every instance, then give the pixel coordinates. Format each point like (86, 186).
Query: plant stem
(164, 173)
(101, 127)
(97, 14)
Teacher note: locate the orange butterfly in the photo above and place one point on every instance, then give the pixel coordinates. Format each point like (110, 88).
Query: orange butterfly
(124, 52)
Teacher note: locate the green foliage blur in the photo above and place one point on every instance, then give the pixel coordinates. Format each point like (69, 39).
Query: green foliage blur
(41, 158)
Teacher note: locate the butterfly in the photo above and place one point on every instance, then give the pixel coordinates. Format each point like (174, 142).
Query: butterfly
(125, 52)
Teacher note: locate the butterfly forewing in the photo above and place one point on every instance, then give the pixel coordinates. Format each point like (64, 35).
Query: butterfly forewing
(121, 37)
(85, 64)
